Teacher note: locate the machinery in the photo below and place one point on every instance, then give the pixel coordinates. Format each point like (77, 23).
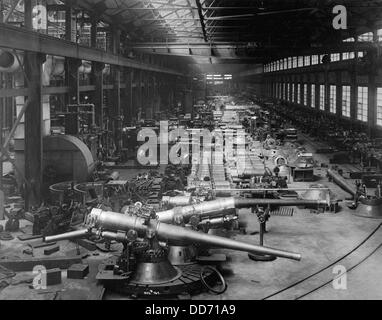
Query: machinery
(143, 269)
(364, 204)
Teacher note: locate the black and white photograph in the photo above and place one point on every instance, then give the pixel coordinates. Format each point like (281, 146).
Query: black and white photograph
(190, 155)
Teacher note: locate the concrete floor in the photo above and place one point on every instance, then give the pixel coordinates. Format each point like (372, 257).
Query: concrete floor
(321, 239)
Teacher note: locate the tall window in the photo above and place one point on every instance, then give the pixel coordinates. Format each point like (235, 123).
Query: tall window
(294, 62)
(333, 99)
(362, 106)
(379, 106)
(315, 59)
(290, 64)
(287, 91)
(307, 60)
(322, 97)
(346, 101)
(313, 96)
(298, 93)
(379, 33)
(300, 61)
(305, 94)
(292, 84)
(335, 57)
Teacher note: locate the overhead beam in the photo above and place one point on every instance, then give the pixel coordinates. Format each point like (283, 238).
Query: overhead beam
(294, 50)
(26, 40)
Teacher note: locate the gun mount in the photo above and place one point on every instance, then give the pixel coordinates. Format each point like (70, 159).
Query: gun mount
(144, 268)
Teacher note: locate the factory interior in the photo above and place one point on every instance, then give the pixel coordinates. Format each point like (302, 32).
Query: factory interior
(190, 150)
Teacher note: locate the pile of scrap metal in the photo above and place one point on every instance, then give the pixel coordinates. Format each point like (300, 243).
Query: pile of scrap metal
(160, 249)
(364, 203)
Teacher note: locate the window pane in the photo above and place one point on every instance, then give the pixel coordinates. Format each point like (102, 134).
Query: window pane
(305, 94)
(322, 97)
(379, 106)
(346, 101)
(362, 107)
(333, 99)
(313, 97)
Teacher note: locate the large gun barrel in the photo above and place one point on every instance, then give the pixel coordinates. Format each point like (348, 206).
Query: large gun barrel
(216, 207)
(342, 182)
(113, 225)
(111, 221)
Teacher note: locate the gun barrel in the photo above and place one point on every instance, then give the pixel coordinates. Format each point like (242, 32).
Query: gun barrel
(111, 221)
(181, 235)
(216, 207)
(82, 233)
(342, 182)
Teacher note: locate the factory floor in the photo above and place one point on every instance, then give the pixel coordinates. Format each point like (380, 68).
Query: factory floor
(328, 242)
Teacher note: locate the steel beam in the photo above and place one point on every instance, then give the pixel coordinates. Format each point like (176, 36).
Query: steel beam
(33, 131)
(27, 40)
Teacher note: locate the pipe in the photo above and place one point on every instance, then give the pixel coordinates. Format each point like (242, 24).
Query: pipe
(342, 182)
(116, 222)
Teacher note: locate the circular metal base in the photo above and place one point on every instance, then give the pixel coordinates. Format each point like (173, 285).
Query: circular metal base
(260, 257)
(369, 208)
(189, 282)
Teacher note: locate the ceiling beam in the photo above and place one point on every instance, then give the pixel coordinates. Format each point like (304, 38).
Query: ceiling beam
(27, 40)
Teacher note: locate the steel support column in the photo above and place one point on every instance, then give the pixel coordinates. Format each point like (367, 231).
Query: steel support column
(129, 104)
(33, 130)
(98, 93)
(72, 80)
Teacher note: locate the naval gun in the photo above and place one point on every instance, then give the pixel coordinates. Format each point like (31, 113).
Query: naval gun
(143, 267)
(220, 207)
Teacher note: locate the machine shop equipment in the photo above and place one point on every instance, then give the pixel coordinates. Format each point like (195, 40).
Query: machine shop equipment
(143, 268)
(364, 204)
(68, 158)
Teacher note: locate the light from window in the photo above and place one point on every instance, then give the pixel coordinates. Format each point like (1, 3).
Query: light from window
(361, 54)
(300, 61)
(315, 59)
(379, 106)
(379, 34)
(366, 37)
(305, 94)
(293, 97)
(294, 62)
(346, 101)
(333, 99)
(313, 96)
(335, 57)
(322, 97)
(290, 63)
(349, 40)
(298, 93)
(362, 106)
(307, 61)
(287, 92)
(348, 55)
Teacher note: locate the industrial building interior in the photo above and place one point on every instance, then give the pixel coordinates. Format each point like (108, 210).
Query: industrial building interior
(190, 149)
